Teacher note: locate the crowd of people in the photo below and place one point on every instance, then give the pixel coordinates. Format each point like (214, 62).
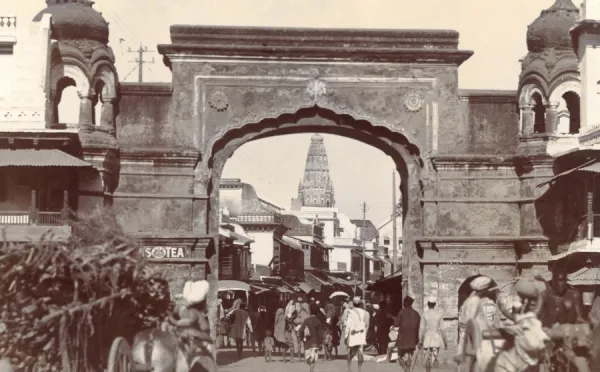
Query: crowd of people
(302, 330)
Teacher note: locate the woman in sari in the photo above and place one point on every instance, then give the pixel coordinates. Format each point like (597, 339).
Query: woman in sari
(279, 329)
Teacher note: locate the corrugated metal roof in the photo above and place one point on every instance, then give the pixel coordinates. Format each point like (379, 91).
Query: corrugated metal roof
(39, 158)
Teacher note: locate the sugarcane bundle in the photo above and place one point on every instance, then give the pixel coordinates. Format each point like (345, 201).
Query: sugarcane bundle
(64, 302)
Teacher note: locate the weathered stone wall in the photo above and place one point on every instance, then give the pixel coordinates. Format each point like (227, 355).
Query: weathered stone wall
(467, 201)
(492, 119)
(154, 199)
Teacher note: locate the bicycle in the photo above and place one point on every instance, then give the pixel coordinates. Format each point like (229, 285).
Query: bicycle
(431, 360)
(428, 360)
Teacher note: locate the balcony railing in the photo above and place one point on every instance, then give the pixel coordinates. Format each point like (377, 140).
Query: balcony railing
(36, 217)
(33, 218)
(259, 218)
(8, 29)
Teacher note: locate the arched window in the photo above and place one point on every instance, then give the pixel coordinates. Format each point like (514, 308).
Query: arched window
(97, 117)
(66, 102)
(539, 111)
(572, 103)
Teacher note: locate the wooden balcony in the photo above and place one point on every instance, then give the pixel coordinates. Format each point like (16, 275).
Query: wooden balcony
(36, 217)
(27, 225)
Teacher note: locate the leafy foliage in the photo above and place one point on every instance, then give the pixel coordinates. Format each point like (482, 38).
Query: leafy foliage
(64, 302)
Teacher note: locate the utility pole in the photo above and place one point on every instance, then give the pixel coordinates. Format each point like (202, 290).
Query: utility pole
(394, 218)
(140, 61)
(364, 253)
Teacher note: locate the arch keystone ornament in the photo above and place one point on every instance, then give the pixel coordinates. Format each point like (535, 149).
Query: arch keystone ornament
(413, 101)
(316, 89)
(218, 100)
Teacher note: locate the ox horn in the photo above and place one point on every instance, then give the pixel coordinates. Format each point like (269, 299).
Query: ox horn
(505, 312)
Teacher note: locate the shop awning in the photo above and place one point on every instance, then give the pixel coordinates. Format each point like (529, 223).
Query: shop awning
(592, 166)
(39, 158)
(289, 241)
(241, 239)
(585, 276)
(224, 232)
(378, 257)
(233, 285)
(322, 243)
(366, 254)
(340, 280)
(319, 280)
(305, 287)
(283, 289)
(255, 289)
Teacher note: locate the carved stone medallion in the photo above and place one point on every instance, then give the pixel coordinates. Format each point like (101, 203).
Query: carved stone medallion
(218, 100)
(413, 101)
(316, 89)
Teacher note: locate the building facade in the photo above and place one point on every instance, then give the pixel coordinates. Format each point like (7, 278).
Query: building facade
(469, 161)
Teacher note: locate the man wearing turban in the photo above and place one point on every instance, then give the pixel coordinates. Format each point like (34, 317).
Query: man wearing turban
(472, 308)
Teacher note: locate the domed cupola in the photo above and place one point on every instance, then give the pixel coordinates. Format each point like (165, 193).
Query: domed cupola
(551, 53)
(549, 86)
(551, 29)
(75, 19)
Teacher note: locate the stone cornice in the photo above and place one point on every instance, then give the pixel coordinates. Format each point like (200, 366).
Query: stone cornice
(458, 160)
(488, 96)
(458, 241)
(431, 46)
(146, 89)
(585, 26)
(173, 239)
(158, 156)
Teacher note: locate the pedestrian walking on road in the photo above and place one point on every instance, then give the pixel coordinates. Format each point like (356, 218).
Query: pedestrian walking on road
(311, 332)
(279, 329)
(355, 332)
(431, 331)
(241, 326)
(408, 322)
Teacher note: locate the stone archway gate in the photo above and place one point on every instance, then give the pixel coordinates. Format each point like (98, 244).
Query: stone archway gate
(386, 88)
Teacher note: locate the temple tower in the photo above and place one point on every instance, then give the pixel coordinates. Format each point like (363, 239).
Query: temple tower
(316, 189)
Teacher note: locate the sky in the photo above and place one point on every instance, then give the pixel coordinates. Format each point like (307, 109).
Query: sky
(494, 29)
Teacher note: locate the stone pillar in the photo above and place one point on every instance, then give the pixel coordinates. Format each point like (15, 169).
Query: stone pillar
(527, 120)
(107, 116)
(551, 118)
(86, 110)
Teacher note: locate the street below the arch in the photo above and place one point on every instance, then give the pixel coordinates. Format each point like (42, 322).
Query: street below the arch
(254, 362)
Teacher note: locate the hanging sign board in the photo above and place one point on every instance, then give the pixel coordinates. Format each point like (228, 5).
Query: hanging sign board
(162, 253)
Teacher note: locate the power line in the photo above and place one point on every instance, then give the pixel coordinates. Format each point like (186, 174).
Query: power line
(140, 61)
(364, 259)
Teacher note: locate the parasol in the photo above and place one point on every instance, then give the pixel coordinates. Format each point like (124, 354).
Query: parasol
(338, 293)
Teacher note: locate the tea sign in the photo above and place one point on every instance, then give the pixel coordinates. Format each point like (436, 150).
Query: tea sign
(160, 253)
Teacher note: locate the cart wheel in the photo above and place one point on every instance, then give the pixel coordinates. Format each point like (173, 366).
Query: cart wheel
(120, 358)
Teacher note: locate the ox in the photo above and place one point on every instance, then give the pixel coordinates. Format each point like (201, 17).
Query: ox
(525, 345)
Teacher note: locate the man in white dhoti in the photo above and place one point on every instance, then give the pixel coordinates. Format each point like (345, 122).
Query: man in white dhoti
(355, 332)
(472, 308)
